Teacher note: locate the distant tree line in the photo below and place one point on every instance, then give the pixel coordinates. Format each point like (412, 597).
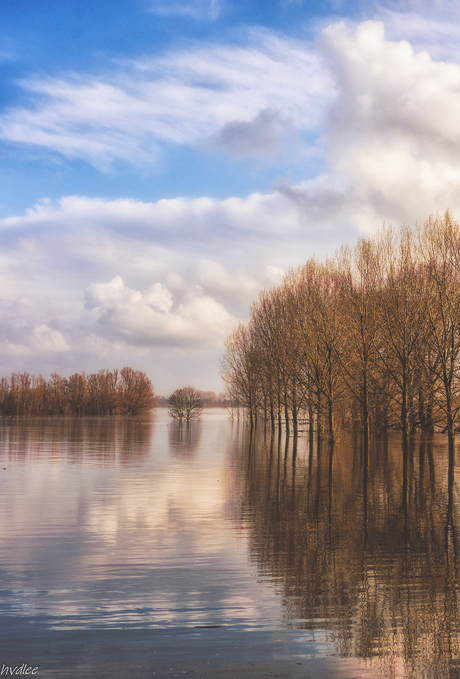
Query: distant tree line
(124, 392)
(369, 338)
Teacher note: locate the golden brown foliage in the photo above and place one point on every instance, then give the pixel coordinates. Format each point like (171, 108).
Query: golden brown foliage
(369, 339)
(125, 392)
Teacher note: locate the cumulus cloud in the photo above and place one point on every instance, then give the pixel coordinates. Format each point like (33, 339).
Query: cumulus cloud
(149, 318)
(46, 339)
(114, 292)
(394, 135)
(216, 280)
(28, 329)
(392, 140)
(181, 98)
(135, 285)
(150, 245)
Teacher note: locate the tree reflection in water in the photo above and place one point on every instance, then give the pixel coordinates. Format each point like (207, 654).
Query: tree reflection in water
(362, 544)
(104, 440)
(184, 437)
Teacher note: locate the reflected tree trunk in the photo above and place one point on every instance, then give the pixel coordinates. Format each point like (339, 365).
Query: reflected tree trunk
(365, 490)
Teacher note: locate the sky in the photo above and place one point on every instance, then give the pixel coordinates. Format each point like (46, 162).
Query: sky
(162, 161)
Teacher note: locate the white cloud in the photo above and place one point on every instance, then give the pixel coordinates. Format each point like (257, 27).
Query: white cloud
(435, 30)
(151, 244)
(46, 339)
(148, 317)
(160, 296)
(275, 274)
(114, 292)
(394, 137)
(160, 223)
(215, 279)
(388, 116)
(24, 332)
(181, 98)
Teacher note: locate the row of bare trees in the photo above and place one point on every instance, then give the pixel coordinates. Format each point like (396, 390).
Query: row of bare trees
(125, 392)
(369, 338)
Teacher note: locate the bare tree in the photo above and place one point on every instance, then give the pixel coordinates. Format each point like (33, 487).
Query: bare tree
(103, 393)
(239, 370)
(401, 312)
(272, 346)
(185, 404)
(136, 394)
(315, 317)
(359, 276)
(440, 248)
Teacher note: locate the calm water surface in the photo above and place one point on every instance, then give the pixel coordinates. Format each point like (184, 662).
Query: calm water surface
(133, 547)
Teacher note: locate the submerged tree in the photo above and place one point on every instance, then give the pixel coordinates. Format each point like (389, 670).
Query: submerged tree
(185, 404)
(440, 249)
(128, 392)
(369, 338)
(135, 392)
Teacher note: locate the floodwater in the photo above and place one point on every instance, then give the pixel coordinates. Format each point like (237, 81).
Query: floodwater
(131, 547)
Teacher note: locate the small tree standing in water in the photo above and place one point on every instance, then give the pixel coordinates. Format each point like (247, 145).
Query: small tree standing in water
(185, 404)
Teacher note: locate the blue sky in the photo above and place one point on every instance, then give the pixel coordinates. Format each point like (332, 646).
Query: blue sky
(161, 162)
